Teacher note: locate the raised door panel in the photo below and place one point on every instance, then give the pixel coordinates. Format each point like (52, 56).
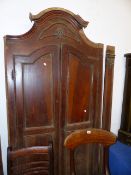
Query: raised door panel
(80, 84)
(78, 97)
(38, 95)
(37, 98)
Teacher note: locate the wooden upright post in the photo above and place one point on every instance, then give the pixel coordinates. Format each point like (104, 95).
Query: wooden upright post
(108, 87)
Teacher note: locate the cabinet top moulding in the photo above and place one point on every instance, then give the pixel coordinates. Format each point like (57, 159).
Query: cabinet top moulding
(62, 14)
(56, 10)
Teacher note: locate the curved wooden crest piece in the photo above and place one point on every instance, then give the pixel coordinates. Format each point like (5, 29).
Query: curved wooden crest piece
(58, 11)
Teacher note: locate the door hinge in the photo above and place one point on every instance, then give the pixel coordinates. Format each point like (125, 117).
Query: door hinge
(13, 74)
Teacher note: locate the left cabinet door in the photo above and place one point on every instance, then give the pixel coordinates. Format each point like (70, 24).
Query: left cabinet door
(37, 98)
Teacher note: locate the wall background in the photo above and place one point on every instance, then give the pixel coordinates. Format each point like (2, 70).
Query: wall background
(109, 24)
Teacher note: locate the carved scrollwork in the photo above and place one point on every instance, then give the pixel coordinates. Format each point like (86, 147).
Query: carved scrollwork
(110, 60)
(59, 32)
(110, 56)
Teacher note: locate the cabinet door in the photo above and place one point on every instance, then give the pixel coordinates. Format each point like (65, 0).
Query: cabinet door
(37, 96)
(79, 99)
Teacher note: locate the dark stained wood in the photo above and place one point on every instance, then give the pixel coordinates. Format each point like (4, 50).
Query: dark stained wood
(54, 85)
(88, 136)
(124, 134)
(1, 164)
(30, 160)
(108, 87)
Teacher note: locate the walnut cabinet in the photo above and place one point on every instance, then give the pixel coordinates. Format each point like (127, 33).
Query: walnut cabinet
(54, 79)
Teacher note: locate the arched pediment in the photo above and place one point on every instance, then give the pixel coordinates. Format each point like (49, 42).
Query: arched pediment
(58, 23)
(59, 12)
